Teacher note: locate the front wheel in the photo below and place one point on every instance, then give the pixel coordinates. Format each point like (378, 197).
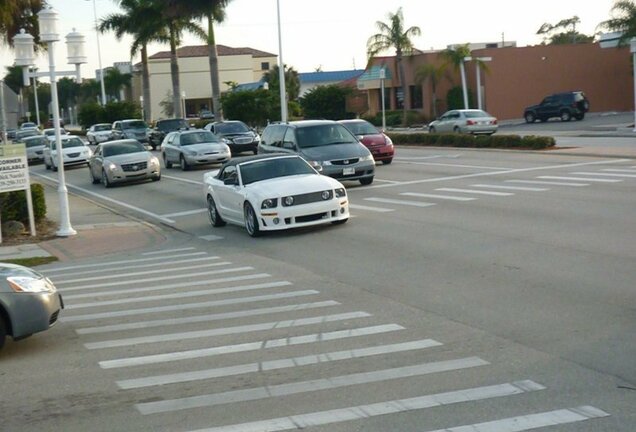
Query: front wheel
(105, 180)
(53, 167)
(566, 116)
(432, 130)
(92, 177)
(530, 117)
(213, 214)
(251, 221)
(166, 162)
(456, 130)
(184, 164)
(366, 181)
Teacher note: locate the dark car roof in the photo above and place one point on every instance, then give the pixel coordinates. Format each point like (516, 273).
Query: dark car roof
(240, 160)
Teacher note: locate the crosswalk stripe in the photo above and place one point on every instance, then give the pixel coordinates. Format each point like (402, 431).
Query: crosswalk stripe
(275, 364)
(519, 188)
(533, 421)
(580, 179)
(187, 306)
(400, 202)
(308, 386)
(168, 251)
(250, 346)
(248, 328)
(171, 286)
(552, 183)
(141, 273)
(154, 279)
(474, 191)
(606, 174)
(367, 208)
(620, 170)
(171, 296)
(434, 196)
(117, 263)
(302, 421)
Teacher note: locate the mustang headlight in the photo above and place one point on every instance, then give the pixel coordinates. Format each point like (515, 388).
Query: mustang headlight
(27, 284)
(269, 203)
(288, 201)
(326, 195)
(340, 192)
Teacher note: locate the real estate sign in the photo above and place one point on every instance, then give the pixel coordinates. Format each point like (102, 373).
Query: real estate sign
(14, 169)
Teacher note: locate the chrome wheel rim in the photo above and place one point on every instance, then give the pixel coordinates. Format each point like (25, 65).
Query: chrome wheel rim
(249, 219)
(211, 211)
(104, 179)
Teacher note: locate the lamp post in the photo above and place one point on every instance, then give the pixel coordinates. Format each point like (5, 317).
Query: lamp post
(632, 49)
(382, 78)
(463, 73)
(99, 56)
(281, 71)
(35, 96)
(478, 63)
(183, 103)
(23, 42)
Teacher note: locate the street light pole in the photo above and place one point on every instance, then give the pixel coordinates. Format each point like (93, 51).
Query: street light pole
(382, 78)
(478, 67)
(281, 71)
(463, 74)
(99, 57)
(632, 48)
(35, 95)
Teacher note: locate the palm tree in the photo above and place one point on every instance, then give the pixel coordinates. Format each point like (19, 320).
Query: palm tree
(18, 14)
(115, 80)
(455, 57)
(624, 20)
(394, 36)
(434, 74)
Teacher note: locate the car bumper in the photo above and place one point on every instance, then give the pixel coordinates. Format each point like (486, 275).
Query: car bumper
(382, 152)
(208, 158)
(480, 129)
(239, 148)
(101, 138)
(360, 170)
(33, 312)
(317, 213)
(120, 176)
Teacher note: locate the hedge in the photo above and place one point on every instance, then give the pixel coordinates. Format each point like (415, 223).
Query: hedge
(481, 141)
(13, 205)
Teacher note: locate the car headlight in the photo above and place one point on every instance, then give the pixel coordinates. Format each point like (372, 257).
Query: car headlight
(111, 166)
(340, 192)
(389, 142)
(326, 195)
(226, 141)
(257, 138)
(288, 201)
(25, 284)
(154, 161)
(269, 203)
(368, 157)
(190, 152)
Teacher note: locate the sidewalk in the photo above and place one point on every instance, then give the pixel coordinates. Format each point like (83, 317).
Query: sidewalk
(100, 231)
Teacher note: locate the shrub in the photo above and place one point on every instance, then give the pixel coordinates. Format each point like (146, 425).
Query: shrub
(92, 113)
(462, 140)
(14, 204)
(328, 102)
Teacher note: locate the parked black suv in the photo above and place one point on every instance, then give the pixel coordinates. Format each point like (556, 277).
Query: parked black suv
(565, 105)
(163, 127)
(236, 134)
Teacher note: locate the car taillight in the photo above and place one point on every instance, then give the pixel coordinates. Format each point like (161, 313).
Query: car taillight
(494, 121)
(470, 122)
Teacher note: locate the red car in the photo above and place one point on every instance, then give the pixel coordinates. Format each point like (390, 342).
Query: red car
(380, 145)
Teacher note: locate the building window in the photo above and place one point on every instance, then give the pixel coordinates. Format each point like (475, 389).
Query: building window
(416, 97)
(387, 99)
(399, 98)
(264, 66)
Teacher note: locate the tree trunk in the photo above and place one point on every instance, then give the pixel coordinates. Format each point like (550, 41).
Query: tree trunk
(403, 84)
(174, 73)
(145, 83)
(213, 57)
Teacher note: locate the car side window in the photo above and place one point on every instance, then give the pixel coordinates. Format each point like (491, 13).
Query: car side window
(289, 141)
(228, 173)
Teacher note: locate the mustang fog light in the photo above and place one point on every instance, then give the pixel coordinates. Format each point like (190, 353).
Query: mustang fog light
(342, 210)
(276, 221)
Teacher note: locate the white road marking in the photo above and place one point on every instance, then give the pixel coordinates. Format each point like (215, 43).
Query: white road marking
(206, 318)
(606, 174)
(308, 386)
(473, 191)
(580, 179)
(619, 170)
(446, 197)
(145, 272)
(182, 179)
(117, 263)
(157, 279)
(551, 183)
(533, 421)
(211, 237)
(403, 158)
(168, 251)
(275, 364)
(456, 165)
(171, 296)
(250, 346)
(519, 188)
(385, 181)
(186, 306)
(302, 421)
(400, 202)
(373, 209)
(185, 213)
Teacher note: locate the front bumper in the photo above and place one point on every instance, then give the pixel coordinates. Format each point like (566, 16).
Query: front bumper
(360, 170)
(207, 158)
(317, 213)
(120, 176)
(382, 152)
(33, 312)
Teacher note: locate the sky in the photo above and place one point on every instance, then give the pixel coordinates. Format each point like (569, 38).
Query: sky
(332, 34)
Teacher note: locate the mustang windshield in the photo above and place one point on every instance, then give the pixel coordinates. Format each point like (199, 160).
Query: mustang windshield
(253, 172)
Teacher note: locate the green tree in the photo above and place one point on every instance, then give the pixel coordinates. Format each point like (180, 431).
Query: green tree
(394, 36)
(433, 74)
(68, 92)
(16, 15)
(563, 32)
(292, 90)
(328, 102)
(114, 81)
(623, 20)
(253, 107)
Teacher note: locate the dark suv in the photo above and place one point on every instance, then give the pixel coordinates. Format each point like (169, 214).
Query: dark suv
(163, 127)
(565, 105)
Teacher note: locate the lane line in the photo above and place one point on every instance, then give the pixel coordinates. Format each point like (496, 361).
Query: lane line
(157, 279)
(187, 306)
(551, 183)
(404, 158)
(115, 263)
(385, 181)
(279, 390)
(206, 318)
(275, 364)
(519, 188)
(168, 251)
(182, 179)
(400, 202)
(619, 170)
(172, 296)
(250, 346)
(247, 328)
(172, 286)
(533, 421)
(445, 197)
(580, 179)
(474, 191)
(373, 209)
(185, 213)
(456, 165)
(360, 412)
(211, 237)
(606, 174)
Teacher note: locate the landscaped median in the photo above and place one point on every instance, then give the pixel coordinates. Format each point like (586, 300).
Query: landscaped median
(516, 142)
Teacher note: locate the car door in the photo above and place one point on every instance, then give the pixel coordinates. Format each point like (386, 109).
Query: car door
(445, 122)
(548, 108)
(97, 162)
(170, 150)
(229, 197)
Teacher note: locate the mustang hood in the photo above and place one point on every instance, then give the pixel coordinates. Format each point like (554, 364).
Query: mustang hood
(293, 185)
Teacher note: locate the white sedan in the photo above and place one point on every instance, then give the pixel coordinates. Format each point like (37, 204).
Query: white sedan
(98, 133)
(74, 152)
(273, 192)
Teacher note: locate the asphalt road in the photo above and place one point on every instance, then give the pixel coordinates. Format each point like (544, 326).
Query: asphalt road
(469, 288)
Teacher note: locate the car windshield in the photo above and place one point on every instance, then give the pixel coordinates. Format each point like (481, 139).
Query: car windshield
(198, 137)
(35, 141)
(121, 148)
(253, 172)
(51, 132)
(323, 135)
(361, 128)
(28, 125)
(136, 124)
(172, 125)
(101, 127)
(27, 133)
(476, 114)
(230, 128)
(71, 142)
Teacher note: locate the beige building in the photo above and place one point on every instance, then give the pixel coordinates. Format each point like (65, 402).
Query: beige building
(239, 65)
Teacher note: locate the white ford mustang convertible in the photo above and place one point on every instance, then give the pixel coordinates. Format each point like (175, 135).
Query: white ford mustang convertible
(273, 192)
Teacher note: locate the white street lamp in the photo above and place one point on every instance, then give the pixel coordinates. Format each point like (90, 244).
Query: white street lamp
(632, 49)
(47, 21)
(281, 71)
(478, 67)
(99, 57)
(382, 78)
(463, 73)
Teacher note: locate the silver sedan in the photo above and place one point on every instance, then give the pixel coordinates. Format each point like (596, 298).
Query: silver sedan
(193, 147)
(122, 161)
(471, 121)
